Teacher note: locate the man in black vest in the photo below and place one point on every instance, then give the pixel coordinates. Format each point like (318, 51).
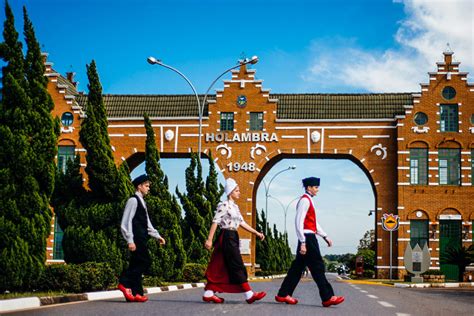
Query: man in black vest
(308, 253)
(136, 227)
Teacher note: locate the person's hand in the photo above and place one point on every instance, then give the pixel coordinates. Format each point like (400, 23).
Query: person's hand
(161, 240)
(303, 249)
(208, 244)
(132, 246)
(328, 241)
(260, 236)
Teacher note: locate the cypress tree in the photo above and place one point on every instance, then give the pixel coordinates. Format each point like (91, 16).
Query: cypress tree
(214, 190)
(101, 169)
(167, 261)
(91, 220)
(196, 221)
(27, 138)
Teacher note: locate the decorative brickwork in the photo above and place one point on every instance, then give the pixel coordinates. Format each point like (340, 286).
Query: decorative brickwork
(375, 131)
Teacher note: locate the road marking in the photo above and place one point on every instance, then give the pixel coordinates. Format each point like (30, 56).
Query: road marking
(402, 314)
(372, 296)
(364, 291)
(385, 304)
(356, 287)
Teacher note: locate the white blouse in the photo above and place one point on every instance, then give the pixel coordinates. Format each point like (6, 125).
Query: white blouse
(228, 215)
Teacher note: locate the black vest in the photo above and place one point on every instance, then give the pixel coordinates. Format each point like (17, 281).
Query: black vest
(139, 222)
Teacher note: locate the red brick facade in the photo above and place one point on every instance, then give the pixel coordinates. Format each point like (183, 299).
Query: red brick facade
(380, 147)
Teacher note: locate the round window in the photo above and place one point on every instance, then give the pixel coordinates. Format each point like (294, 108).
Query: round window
(421, 118)
(67, 118)
(449, 93)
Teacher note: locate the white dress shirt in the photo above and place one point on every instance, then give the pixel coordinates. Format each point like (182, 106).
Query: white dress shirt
(128, 213)
(301, 210)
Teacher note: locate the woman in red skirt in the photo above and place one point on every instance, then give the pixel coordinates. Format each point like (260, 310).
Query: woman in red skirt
(226, 272)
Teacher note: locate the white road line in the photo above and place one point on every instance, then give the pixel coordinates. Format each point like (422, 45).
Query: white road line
(372, 296)
(385, 304)
(356, 287)
(364, 291)
(402, 314)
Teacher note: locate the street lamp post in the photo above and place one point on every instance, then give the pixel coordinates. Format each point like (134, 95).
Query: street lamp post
(154, 61)
(285, 208)
(267, 188)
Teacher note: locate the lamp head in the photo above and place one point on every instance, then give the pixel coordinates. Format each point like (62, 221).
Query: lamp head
(254, 60)
(153, 61)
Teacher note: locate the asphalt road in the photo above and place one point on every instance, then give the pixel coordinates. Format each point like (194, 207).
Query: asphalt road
(361, 299)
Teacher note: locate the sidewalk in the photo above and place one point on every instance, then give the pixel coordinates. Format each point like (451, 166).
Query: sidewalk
(16, 304)
(397, 284)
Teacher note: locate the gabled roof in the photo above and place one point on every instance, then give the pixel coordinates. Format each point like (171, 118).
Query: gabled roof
(341, 106)
(289, 106)
(134, 106)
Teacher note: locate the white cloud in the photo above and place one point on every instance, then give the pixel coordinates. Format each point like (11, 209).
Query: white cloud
(421, 38)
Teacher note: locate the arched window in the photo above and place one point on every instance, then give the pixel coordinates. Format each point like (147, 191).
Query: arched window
(419, 163)
(67, 119)
(65, 153)
(449, 163)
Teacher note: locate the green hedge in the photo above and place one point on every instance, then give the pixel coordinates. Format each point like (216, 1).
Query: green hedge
(194, 272)
(77, 278)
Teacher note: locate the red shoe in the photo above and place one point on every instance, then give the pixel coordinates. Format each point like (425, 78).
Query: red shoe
(213, 299)
(127, 293)
(256, 297)
(141, 298)
(334, 300)
(287, 299)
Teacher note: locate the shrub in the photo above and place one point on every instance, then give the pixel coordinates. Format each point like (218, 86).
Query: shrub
(433, 272)
(368, 274)
(194, 272)
(152, 281)
(77, 278)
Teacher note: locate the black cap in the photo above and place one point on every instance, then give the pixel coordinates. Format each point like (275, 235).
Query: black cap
(139, 180)
(311, 182)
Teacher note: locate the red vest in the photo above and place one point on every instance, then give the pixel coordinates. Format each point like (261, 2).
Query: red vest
(310, 219)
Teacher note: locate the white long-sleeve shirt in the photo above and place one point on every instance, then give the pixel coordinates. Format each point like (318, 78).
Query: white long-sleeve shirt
(126, 225)
(301, 210)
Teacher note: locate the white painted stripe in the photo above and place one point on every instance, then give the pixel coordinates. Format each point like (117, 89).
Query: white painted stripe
(19, 303)
(385, 304)
(95, 296)
(342, 136)
(155, 125)
(375, 136)
(116, 135)
(292, 136)
(190, 135)
(332, 127)
(172, 288)
(363, 291)
(402, 314)
(372, 296)
(153, 290)
(137, 135)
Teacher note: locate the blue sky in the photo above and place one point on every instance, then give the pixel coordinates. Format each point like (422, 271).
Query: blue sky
(304, 47)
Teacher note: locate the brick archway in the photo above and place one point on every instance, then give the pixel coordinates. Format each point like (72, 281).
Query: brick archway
(247, 130)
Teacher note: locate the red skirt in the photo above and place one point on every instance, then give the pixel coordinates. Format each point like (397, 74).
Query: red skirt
(226, 272)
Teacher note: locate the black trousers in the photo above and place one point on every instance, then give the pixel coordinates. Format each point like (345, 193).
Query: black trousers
(140, 262)
(313, 260)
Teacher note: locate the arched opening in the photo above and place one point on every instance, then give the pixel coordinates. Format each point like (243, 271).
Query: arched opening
(347, 196)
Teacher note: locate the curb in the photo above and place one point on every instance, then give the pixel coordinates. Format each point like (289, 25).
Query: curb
(435, 285)
(17, 304)
(276, 276)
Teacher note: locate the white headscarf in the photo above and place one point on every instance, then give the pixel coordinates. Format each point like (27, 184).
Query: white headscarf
(230, 185)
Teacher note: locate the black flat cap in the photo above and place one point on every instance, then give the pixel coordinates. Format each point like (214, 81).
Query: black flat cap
(139, 180)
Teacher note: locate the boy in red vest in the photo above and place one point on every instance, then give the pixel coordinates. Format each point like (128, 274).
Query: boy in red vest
(308, 253)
